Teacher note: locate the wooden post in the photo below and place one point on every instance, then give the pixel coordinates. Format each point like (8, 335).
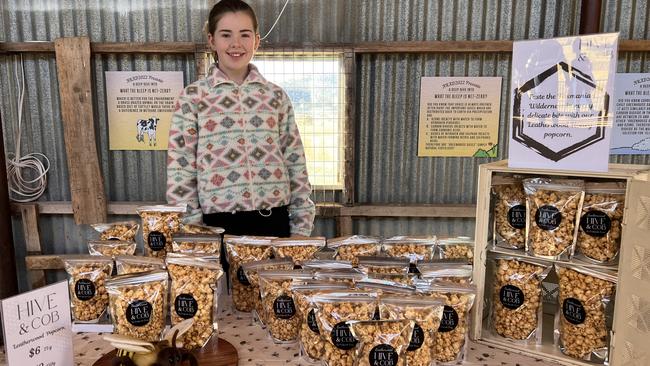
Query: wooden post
(590, 16)
(350, 66)
(9, 283)
(343, 225)
(86, 183)
(32, 240)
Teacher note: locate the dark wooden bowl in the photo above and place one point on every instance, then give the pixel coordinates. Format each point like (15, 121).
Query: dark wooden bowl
(216, 353)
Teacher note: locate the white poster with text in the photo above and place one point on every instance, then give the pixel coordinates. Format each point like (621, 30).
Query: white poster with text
(563, 105)
(631, 132)
(37, 327)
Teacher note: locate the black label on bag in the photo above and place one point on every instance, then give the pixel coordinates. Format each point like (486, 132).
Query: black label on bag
(511, 297)
(548, 217)
(517, 216)
(156, 241)
(84, 289)
(241, 277)
(417, 339)
(186, 306)
(311, 322)
(383, 355)
(139, 312)
(449, 320)
(595, 223)
(342, 337)
(283, 307)
(114, 238)
(573, 311)
(376, 315)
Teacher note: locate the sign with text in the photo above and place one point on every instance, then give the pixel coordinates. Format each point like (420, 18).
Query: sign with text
(631, 131)
(459, 116)
(562, 106)
(37, 327)
(140, 107)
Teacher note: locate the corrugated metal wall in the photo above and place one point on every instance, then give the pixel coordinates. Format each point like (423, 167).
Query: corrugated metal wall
(387, 167)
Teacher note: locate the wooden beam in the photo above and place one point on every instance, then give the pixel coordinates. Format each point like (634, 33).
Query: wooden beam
(29, 214)
(486, 46)
(128, 208)
(31, 47)
(322, 209)
(43, 262)
(434, 47)
(642, 45)
(428, 210)
(75, 88)
(349, 170)
(152, 47)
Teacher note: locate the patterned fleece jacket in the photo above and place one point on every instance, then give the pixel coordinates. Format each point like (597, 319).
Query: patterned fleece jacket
(237, 148)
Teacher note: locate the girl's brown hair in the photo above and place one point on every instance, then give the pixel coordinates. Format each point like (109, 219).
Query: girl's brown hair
(229, 6)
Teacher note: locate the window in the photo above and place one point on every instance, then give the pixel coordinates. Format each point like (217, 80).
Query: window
(315, 82)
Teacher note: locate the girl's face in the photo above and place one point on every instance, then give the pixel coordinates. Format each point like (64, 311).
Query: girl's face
(235, 43)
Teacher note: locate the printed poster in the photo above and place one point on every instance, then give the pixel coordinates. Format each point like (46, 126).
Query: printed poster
(140, 106)
(459, 116)
(563, 102)
(631, 132)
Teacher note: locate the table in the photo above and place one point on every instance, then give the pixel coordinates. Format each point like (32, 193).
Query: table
(255, 348)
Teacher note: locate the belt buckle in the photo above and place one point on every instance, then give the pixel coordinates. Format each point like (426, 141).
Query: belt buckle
(263, 214)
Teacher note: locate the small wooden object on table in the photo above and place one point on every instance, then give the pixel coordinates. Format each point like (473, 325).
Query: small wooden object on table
(217, 352)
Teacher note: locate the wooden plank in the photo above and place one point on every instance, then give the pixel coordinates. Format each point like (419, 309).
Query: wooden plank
(435, 47)
(44, 262)
(344, 226)
(75, 88)
(614, 171)
(641, 45)
(350, 118)
(486, 46)
(149, 47)
(426, 210)
(322, 209)
(128, 208)
(29, 214)
(35, 47)
(480, 247)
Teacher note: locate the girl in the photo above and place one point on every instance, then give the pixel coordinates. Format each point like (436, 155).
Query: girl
(235, 154)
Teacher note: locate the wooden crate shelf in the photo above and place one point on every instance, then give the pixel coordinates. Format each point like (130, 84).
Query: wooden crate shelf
(629, 330)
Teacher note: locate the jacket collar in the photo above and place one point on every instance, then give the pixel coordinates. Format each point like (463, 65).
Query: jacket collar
(216, 76)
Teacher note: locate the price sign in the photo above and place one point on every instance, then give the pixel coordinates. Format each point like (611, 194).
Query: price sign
(37, 327)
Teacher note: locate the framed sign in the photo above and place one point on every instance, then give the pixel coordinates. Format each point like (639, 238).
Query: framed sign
(140, 106)
(562, 102)
(459, 116)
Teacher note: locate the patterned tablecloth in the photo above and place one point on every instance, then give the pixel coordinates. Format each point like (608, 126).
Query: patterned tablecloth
(255, 347)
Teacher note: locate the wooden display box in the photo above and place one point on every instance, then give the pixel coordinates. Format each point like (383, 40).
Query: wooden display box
(629, 344)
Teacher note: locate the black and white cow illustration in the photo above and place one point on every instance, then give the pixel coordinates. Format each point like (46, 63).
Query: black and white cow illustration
(149, 127)
(141, 126)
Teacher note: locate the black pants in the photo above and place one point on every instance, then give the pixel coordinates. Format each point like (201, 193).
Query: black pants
(273, 222)
(250, 223)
